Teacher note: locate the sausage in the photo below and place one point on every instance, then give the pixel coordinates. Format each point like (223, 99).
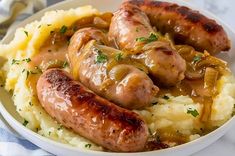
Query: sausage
(128, 25)
(89, 115)
(186, 26)
(120, 83)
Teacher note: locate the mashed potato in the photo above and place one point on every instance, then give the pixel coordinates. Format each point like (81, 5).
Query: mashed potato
(171, 114)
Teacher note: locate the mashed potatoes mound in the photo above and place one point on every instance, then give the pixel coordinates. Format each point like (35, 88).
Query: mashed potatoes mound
(167, 114)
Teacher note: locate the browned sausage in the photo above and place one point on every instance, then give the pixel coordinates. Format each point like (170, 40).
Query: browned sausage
(91, 116)
(128, 26)
(116, 81)
(185, 25)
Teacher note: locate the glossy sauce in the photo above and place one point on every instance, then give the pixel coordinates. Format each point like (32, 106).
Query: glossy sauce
(55, 51)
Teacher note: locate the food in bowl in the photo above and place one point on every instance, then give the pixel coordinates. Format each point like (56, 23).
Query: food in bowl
(142, 78)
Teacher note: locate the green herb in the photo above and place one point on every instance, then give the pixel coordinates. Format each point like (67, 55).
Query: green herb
(63, 29)
(197, 58)
(151, 38)
(27, 60)
(166, 97)
(65, 64)
(49, 132)
(59, 128)
(39, 26)
(101, 58)
(30, 103)
(23, 70)
(27, 74)
(25, 122)
(26, 33)
(118, 57)
(88, 145)
(193, 112)
(14, 61)
(48, 24)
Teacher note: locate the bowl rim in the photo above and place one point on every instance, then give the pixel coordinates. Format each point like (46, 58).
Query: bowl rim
(6, 115)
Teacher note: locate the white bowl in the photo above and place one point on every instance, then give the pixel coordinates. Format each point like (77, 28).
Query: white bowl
(8, 110)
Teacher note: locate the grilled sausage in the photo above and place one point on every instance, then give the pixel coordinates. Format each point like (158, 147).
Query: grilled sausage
(91, 116)
(185, 25)
(128, 26)
(94, 66)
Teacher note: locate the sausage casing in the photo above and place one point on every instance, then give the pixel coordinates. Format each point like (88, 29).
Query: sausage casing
(187, 26)
(91, 116)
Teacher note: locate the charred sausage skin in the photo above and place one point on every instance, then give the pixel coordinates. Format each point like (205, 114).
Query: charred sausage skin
(91, 116)
(187, 26)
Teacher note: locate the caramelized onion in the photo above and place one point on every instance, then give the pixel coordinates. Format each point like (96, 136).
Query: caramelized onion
(210, 78)
(192, 74)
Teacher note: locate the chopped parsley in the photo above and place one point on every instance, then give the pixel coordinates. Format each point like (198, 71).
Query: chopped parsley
(27, 60)
(197, 58)
(26, 33)
(166, 97)
(152, 37)
(25, 122)
(101, 58)
(63, 29)
(39, 26)
(59, 128)
(193, 112)
(14, 61)
(27, 74)
(30, 103)
(88, 145)
(118, 57)
(65, 64)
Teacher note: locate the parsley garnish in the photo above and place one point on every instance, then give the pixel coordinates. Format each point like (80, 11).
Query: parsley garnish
(65, 64)
(88, 145)
(27, 74)
(25, 122)
(118, 57)
(27, 60)
(39, 26)
(49, 132)
(151, 38)
(166, 97)
(30, 103)
(197, 58)
(14, 61)
(59, 128)
(193, 112)
(101, 58)
(26, 33)
(63, 29)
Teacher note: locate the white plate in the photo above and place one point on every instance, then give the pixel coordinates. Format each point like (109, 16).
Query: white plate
(8, 110)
